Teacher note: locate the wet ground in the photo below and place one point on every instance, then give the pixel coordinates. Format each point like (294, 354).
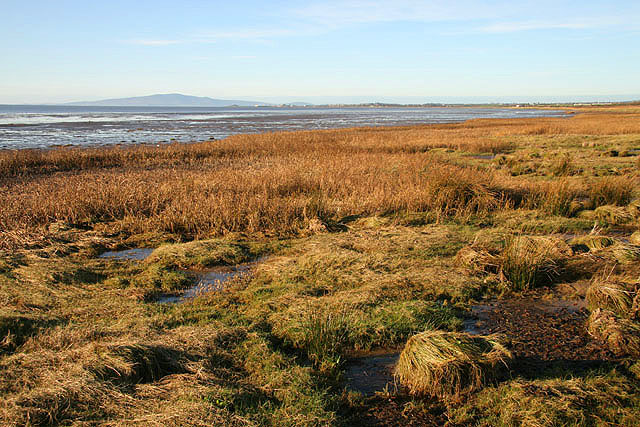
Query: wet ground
(540, 329)
(213, 280)
(205, 281)
(138, 254)
(373, 372)
(541, 332)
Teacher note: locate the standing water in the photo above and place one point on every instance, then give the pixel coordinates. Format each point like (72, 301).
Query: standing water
(40, 126)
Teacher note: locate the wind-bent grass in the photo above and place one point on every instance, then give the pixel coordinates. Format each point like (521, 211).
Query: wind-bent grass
(622, 336)
(448, 364)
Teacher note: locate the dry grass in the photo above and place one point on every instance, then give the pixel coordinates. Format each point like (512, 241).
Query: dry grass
(447, 364)
(612, 293)
(529, 261)
(593, 242)
(622, 336)
(612, 215)
(356, 261)
(284, 182)
(626, 253)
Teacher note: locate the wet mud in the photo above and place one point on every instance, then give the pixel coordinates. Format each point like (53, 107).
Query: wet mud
(540, 329)
(372, 373)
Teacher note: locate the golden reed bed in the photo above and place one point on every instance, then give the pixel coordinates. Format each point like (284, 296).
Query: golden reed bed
(278, 182)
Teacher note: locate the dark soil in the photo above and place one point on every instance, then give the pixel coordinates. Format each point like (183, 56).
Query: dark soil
(540, 329)
(395, 411)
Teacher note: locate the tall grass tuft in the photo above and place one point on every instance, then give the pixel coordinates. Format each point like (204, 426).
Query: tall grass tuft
(612, 294)
(617, 190)
(325, 338)
(530, 261)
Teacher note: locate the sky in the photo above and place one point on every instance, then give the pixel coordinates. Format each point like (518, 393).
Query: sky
(321, 51)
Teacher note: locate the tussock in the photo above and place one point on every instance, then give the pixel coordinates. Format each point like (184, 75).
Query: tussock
(634, 208)
(607, 293)
(449, 364)
(613, 215)
(626, 253)
(477, 260)
(529, 261)
(615, 190)
(622, 336)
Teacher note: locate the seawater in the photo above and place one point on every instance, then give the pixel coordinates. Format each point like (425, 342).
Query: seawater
(44, 126)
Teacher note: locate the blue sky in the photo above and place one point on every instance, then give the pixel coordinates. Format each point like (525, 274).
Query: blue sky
(322, 51)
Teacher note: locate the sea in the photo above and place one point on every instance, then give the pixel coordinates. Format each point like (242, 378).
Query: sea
(47, 126)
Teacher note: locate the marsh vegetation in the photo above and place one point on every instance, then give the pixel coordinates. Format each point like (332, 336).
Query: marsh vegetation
(368, 240)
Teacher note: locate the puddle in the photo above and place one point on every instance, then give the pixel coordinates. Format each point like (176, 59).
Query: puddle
(372, 373)
(484, 156)
(138, 254)
(210, 281)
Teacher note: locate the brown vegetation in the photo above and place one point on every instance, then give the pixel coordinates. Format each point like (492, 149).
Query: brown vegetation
(363, 239)
(278, 183)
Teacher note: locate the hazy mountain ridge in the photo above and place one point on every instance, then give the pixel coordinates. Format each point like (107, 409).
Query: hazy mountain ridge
(169, 100)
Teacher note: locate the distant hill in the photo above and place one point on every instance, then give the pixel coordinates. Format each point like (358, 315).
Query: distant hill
(168, 100)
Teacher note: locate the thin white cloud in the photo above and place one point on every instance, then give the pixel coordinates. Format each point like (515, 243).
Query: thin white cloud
(244, 34)
(511, 27)
(470, 16)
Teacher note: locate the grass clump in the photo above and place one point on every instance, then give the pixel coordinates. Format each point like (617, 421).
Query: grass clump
(477, 260)
(564, 166)
(626, 253)
(529, 261)
(634, 208)
(635, 238)
(138, 363)
(204, 253)
(612, 215)
(608, 293)
(326, 336)
(555, 197)
(157, 278)
(622, 336)
(612, 191)
(449, 364)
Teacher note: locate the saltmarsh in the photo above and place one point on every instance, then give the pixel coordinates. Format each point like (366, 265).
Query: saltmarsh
(364, 238)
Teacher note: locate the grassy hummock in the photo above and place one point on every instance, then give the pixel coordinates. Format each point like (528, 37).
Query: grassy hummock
(450, 364)
(530, 261)
(593, 241)
(622, 336)
(612, 294)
